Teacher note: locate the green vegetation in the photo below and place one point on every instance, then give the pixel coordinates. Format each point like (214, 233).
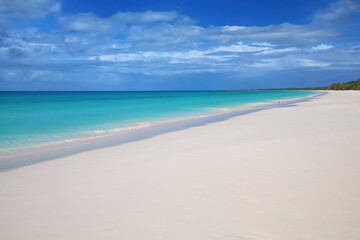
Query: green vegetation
(353, 85)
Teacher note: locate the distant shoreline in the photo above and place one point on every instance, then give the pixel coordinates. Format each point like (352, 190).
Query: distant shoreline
(353, 85)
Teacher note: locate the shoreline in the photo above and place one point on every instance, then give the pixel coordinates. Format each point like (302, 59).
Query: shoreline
(282, 173)
(24, 156)
(127, 128)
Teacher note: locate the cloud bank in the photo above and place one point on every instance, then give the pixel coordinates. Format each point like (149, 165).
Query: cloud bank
(167, 50)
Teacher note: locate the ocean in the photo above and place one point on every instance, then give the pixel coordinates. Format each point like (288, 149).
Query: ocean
(29, 119)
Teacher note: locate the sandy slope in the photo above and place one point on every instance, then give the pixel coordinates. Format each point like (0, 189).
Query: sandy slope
(286, 173)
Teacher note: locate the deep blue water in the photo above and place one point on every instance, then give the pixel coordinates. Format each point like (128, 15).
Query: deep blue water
(33, 118)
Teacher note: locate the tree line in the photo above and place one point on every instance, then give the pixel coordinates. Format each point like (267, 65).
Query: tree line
(353, 85)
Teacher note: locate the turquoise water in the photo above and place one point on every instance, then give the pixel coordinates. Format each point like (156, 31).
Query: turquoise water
(33, 118)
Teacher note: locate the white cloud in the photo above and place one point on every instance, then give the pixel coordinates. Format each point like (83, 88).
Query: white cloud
(232, 28)
(148, 56)
(219, 53)
(18, 48)
(270, 63)
(75, 39)
(121, 46)
(146, 17)
(288, 63)
(312, 63)
(55, 8)
(321, 47)
(89, 22)
(156, 43)
(28, 8)
(338, 11)
(263, 44)
(280, 50)
(240, 47)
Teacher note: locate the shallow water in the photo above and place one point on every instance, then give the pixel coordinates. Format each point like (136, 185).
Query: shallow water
(35, 118)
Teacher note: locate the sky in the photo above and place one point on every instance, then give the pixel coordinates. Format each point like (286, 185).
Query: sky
(108, 45)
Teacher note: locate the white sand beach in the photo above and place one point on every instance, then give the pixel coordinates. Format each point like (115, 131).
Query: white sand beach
(278, 174)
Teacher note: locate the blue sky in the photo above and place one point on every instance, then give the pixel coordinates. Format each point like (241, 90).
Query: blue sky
(177, 45)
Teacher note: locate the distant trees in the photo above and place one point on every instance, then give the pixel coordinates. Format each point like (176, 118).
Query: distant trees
(353, 85)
